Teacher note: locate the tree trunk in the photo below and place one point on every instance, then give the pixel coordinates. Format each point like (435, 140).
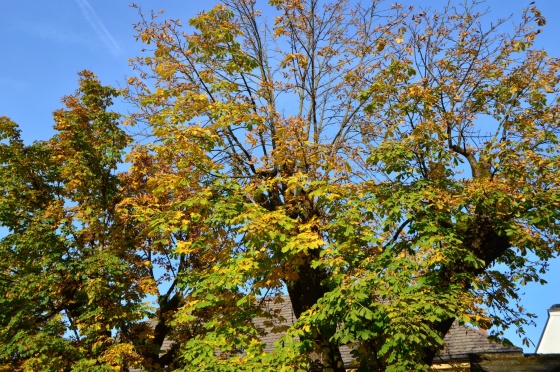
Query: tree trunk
(304, 292)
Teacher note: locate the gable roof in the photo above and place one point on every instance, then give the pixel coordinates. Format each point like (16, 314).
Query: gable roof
(284, 310)
(459, 342)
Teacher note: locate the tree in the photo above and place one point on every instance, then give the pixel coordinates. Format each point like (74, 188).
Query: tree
(73, 275)
(376, 162)
(392, 170)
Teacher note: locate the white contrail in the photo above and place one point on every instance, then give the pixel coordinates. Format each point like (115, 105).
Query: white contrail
(98, 26)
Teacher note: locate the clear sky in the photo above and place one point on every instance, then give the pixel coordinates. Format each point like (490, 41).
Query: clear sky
(45, 43)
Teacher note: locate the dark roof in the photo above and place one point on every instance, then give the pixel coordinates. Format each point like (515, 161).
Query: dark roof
(283, 310)
(460, 341)
(166, 345)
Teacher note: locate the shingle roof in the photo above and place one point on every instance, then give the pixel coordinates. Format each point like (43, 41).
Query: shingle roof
(166, 345)
(283, 310)
(460, 341)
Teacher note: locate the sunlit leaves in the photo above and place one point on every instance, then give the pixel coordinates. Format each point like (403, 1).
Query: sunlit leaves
(67, 275)
(373, 162)
(375, 167)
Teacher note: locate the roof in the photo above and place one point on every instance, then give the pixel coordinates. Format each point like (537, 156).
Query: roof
(459, 342)
(166, 345)
(286, 317)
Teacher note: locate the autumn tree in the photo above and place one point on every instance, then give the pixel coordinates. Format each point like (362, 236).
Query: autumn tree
(393, 170)
(74, 277)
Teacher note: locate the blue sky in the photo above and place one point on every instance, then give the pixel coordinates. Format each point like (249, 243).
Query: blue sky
(45, 43)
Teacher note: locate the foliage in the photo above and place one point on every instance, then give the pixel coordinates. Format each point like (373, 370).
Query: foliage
(393, 170)
(69, 269)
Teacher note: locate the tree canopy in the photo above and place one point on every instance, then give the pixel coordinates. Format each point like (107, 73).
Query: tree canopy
(391, 169)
